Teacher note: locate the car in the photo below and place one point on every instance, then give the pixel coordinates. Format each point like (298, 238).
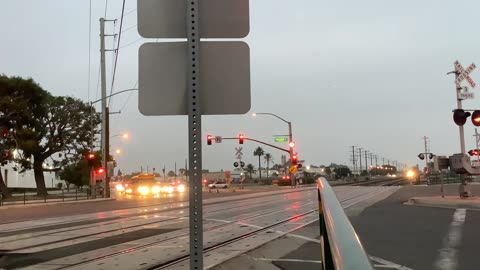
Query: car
(174, 186)
(219, 184)
(143, 186)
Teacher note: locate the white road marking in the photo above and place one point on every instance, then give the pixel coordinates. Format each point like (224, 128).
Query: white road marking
(447, 256)
(387, 264)
(286, 260)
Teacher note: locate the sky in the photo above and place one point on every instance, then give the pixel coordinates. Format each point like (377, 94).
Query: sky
(366, 73)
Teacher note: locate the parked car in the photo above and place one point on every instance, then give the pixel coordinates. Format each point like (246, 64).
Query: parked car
(218, 184)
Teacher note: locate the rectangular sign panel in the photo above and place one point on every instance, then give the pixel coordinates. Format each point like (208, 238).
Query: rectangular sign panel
(466, 96)
(281, 139)
(224, 78)
(219, 18)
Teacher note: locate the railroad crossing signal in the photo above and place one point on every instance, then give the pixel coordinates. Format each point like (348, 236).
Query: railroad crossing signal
(460, 116)
(235, 164)
(474, 152)
(464, 74)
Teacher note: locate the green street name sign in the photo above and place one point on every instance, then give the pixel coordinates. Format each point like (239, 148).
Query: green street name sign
(281, 139)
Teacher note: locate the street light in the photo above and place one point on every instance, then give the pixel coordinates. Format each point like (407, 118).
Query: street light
(290, 135)
(118, 151)
(124, 136)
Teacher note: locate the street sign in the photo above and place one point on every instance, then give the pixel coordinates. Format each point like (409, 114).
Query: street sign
(293, 169)
(281, 139)
(225, 78)
(466, 95)
(464, 74)
(239, 153)
(167, 19)
(218, 139)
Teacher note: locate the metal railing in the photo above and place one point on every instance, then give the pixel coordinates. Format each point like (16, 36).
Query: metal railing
(340, 246)
(29, 197)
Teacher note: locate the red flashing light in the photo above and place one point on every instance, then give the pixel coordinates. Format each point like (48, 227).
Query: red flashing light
(209, 139)
(100, 170)
(241, 137)
(291, 144)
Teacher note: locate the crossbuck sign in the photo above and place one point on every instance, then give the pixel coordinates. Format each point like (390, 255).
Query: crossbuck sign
(464, 74)
(239, 153)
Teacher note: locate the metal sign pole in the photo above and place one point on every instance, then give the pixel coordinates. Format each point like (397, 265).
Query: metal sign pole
(194, 137)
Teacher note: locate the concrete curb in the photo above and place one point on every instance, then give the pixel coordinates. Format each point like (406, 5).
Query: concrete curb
(13, 206)
(439, 202)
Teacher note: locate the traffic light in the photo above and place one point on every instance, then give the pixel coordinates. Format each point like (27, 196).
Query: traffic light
(291, 144)
(100, 170)
(241, 137)
(460, 117)
(430, 156)
(300, 165)
(90, 159)
(4, 132)
(474, 152)
(421, 156)
(294, 159)
(476, 118)
(209, 139)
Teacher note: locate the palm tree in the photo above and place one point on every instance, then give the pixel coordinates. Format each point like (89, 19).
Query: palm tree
(259, 152)
(268, 157)
(250, 169)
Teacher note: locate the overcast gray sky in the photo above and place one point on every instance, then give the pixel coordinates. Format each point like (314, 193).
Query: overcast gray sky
(369, 73)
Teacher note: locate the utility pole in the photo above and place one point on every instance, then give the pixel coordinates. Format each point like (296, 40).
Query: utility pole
(425, 138)
(104, 103)
(366, 162)
(354, 159)
(360, 159)
(105, 140)
(477, 137)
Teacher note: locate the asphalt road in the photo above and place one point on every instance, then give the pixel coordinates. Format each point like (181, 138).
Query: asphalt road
(122, 202)
(396, 236)
(143, 237)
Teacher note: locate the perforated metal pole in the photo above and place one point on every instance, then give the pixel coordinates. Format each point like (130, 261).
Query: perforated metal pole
(194, 137)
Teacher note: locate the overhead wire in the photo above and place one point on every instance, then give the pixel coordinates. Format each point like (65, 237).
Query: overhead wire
(117, 51)
(128, 44)
(89, 47)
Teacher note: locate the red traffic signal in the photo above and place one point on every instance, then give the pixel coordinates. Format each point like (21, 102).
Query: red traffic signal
(241, 137)
(209, 139)
(291, 144)
(100, 170)
(294, 159)
(476, 118)
(474, 152)
(90, 159)
(460, 117)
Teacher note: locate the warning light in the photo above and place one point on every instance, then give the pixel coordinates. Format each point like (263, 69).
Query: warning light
(209, 139)
(100, 170)
(291, 144)
(241, 137)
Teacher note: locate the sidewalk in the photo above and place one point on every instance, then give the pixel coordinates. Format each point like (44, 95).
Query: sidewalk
(447, 202)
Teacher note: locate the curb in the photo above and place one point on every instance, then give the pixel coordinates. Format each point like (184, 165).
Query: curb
(5, 207)
(465, 203)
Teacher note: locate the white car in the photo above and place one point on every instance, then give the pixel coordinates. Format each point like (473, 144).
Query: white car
(219, 184)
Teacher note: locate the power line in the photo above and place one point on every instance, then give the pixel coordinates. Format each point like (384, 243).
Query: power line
(116, 51)
(106, 6)
(130, 43)
(129, 28)
(89, 46)
(126, 14)
(128, 98)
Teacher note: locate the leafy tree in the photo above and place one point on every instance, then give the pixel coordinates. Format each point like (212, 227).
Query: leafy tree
(250, 169)
(48, 127)
(259, 152)
(341, 172)
(20, 100)
(78, 172)
(268, 157)
(327, 170)
(171, 174)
